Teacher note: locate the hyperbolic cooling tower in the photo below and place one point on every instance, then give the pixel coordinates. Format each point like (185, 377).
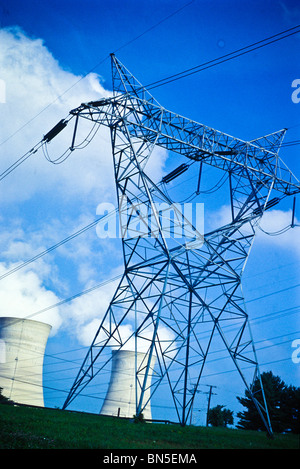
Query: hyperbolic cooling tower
(121, 395)
(22, 347)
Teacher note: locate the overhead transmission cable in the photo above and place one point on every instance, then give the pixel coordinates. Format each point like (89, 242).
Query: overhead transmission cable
(47, 138)
(73, 361)
(20, 160)
(155, 25)
(51, 388)
(225, 58)
(55, 246)
(62, 123)
(164, 81)
(24, 157)
(94, 68)
(67, 300)
(215, 373)
(104, 283)
(289, 144)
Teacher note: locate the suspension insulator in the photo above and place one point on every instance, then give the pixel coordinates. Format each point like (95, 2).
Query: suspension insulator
(174, 174)
(56, 130)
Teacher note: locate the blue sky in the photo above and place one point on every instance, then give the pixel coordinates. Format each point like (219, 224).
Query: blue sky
(46, 49)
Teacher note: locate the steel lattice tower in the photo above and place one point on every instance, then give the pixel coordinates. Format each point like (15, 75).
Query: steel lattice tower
(191, 282)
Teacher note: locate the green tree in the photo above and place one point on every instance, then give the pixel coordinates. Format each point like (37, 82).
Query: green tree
(282, 402)
(220, 417)
(3, 399)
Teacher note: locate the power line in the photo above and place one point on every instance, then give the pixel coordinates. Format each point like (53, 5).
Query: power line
(94, 68)
(196, 69)
(185, 73)
(291, 287)
(64, 360)
(290, 144)
(20, 160)
(234, 370)
(101, 398)
(66, 300)
(286, 311)
(154, 26)
(55, 246)
(224, 58)
(274, 293)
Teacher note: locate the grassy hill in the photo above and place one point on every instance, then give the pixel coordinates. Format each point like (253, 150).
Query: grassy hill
(38, 428)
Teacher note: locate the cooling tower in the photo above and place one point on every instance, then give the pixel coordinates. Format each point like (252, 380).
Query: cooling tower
(121, 395)
(22, 347)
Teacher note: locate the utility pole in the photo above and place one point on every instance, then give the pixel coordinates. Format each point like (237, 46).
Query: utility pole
(209, 399)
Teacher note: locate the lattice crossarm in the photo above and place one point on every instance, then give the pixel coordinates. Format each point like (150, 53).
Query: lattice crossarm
(151, 122)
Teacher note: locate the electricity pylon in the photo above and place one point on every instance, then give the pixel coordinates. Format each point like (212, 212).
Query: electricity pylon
(179, 282)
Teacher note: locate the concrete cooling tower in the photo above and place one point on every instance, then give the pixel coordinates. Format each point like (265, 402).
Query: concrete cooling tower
(22, 347)
(120, 399)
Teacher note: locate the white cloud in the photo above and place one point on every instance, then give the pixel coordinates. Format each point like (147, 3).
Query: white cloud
(126, 332)
(275, 224)
(40, 284)
(33, 80)
(93, 306)
(218, 218)
(86, 314)
(23, 294)
(273, 229)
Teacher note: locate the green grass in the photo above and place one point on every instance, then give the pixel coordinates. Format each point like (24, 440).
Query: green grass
(30, 428)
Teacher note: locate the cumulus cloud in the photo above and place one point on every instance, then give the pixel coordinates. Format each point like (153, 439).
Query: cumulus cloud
(34, 80)
(85, 313)
(25, 292)
(275, 231)
(23, 295)
(126, 332)
(35, 198)
(274, 228)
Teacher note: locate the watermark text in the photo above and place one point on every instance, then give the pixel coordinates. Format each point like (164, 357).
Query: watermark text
(296, 352)
(2, 91)
(136, 220)
(296, 93)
